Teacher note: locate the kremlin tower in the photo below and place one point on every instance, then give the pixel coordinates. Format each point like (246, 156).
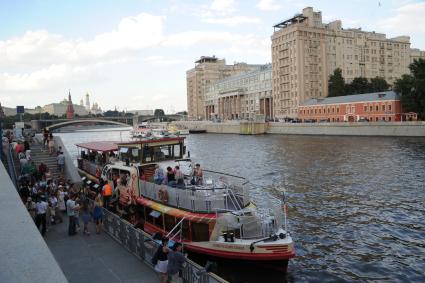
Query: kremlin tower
(70, 108)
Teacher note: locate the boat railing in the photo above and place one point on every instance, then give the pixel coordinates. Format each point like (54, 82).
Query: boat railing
(90, 167)
(141, 244)
(194, 198)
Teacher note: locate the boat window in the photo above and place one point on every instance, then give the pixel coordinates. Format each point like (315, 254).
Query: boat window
(170, 222)
(185, 229)
(200, 232)
(130, 154)
(160, 153)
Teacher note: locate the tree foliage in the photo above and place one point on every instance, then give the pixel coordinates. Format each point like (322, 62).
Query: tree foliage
(336, 84)
(158, 113)
(338, 87)
(412, 89)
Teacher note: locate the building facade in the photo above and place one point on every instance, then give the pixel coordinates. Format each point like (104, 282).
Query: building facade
(306, 51)
(416, 54)
(208, 70)
(242, 96)
(59, 109)
(373, 107)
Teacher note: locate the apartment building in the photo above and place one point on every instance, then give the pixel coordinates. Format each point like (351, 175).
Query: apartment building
(416, 54)
(241, 96)
(208, 70)
(306, 51)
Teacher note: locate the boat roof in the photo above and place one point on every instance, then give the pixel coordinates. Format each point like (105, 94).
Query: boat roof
(152, 140)
(103, 146)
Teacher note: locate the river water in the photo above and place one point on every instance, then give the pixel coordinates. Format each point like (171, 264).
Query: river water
(356, 204)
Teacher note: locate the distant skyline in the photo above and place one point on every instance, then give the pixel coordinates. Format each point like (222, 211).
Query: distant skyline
(134, 54)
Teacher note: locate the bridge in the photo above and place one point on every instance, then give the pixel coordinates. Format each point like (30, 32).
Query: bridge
(125, 121)
(84, 121)
(38, 125)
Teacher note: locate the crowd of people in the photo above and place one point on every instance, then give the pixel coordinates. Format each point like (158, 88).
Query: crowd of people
(49, 199)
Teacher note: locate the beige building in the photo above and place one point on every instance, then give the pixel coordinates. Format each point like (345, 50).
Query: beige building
(416, 54)
(243, 96)
(306, 51)
(208, 70)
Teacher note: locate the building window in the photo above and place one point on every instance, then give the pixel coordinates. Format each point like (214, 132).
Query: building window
(377, 108)
(376, 119)
(371, 108)
(389, 118)
(365, 108)
(389, 107)
(383, 107)
(337, 110)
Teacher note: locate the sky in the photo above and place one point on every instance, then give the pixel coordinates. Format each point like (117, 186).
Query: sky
(134, 54)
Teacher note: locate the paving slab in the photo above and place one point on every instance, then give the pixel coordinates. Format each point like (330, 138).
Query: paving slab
(95, 258)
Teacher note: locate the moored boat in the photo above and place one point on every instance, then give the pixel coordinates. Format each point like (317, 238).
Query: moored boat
(214, 215)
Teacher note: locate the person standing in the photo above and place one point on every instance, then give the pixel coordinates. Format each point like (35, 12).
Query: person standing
(86, 217)
(51, 144)
(107, 194)
(45, 138)
(71, 207)
(98, 213)
(61, 162)
(176, 261)
(41, 209)
(31, 207)
(160, 260)
(198, 174)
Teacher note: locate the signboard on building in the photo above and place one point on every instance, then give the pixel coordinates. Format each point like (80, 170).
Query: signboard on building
(20, 110)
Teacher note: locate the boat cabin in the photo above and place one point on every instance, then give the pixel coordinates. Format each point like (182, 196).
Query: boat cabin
(93, 156)
(152, 150)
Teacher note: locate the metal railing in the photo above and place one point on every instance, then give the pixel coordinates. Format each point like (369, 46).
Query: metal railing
(195, 198)
(140, 244)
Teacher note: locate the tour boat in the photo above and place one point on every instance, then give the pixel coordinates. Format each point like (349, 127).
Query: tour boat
(141, 131)
(218, 216)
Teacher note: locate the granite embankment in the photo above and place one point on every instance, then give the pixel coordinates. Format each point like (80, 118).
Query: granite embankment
(400, 129)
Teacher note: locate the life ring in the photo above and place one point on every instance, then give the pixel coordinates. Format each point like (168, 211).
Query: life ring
(98, 172)
(163, 195)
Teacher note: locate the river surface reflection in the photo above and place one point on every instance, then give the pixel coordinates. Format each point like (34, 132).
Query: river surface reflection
(356, 204)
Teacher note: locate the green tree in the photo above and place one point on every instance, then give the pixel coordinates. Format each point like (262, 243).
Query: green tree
(378, 84)
(357, 86)
(412, 89)
(336, 84)
(158, 113)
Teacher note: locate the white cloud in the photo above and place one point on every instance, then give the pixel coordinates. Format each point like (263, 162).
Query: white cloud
(409, 18)
(161, 61)
(223, 5)
(232, 21)
(268, 5)
(41, 47)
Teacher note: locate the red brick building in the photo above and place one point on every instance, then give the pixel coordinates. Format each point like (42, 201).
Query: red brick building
(378, 106)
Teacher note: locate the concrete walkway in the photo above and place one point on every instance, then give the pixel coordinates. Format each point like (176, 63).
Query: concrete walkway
(95, 258)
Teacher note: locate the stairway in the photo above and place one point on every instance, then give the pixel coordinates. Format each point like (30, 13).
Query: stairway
(38, 155)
